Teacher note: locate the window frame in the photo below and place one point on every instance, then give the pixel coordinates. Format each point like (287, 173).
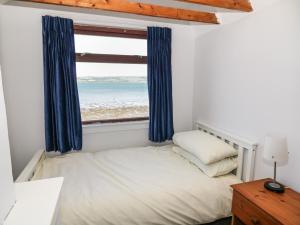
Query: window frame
(111, 58)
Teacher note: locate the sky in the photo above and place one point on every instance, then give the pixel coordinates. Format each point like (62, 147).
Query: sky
(110, 45)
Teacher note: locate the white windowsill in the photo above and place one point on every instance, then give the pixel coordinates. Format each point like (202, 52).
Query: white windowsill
(115, 127)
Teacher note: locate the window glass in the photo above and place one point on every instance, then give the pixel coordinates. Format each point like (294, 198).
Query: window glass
(110, 45)
(109, 91)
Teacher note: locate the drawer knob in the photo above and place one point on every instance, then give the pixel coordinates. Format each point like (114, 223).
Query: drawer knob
(255, 221)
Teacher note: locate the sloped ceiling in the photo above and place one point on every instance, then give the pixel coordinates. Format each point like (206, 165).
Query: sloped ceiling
(201, 13)
(225, 16)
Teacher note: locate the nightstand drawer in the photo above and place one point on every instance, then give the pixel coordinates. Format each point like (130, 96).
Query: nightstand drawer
(249, 213)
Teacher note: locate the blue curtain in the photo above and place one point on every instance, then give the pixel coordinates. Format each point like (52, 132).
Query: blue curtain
(63, 129)
(160, 84)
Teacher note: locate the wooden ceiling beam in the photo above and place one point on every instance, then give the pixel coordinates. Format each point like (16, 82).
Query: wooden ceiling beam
(125, 6)
(241, 5)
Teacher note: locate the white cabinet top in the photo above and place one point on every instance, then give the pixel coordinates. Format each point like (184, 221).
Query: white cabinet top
(37, 202)
(7, 194)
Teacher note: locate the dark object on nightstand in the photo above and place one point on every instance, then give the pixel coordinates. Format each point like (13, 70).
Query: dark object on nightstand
(274, 186)
(252, 204)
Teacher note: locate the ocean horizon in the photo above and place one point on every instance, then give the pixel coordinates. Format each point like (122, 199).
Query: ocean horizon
(112, 92)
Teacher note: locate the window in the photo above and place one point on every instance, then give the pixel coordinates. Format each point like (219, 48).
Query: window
(111, 74)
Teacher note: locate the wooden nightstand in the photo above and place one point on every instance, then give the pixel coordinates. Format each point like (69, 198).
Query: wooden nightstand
(252, 204)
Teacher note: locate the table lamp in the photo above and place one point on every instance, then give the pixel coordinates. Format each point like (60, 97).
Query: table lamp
(275, 151)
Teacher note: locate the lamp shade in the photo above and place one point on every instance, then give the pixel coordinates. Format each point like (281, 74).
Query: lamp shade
(275, 149)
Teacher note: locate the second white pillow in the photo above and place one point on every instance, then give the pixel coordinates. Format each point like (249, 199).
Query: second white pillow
(216, 169)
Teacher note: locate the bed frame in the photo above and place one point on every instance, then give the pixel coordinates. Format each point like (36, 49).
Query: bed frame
(246, 154)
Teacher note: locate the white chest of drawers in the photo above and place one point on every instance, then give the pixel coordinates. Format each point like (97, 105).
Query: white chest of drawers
(37, 203)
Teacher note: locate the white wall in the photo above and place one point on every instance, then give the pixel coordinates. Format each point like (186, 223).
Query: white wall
(20, 30)
(7, 195)
(248, 81)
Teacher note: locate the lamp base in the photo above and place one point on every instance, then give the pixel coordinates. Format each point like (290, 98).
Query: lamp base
(274, 186)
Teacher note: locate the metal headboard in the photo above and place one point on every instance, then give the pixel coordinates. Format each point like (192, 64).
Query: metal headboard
(246, 150)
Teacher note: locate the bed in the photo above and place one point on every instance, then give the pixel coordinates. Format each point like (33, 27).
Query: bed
(141, 186)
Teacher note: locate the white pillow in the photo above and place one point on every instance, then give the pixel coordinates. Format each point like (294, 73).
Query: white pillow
(216, 169)
(207, 148)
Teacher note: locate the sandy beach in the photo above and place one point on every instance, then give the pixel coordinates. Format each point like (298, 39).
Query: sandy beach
(100, 113)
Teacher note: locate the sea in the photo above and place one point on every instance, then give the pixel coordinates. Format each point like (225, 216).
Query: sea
(112, 92)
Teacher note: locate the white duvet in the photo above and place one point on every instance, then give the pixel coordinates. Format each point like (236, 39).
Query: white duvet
(137, 186)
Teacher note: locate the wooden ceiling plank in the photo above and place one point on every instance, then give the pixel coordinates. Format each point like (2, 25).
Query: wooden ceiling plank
(241, 5)
(125, 6)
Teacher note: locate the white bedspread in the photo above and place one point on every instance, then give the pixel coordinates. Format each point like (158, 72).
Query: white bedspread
(137, 186)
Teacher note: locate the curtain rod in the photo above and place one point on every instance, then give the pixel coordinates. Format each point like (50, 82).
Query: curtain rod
(124, 24)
